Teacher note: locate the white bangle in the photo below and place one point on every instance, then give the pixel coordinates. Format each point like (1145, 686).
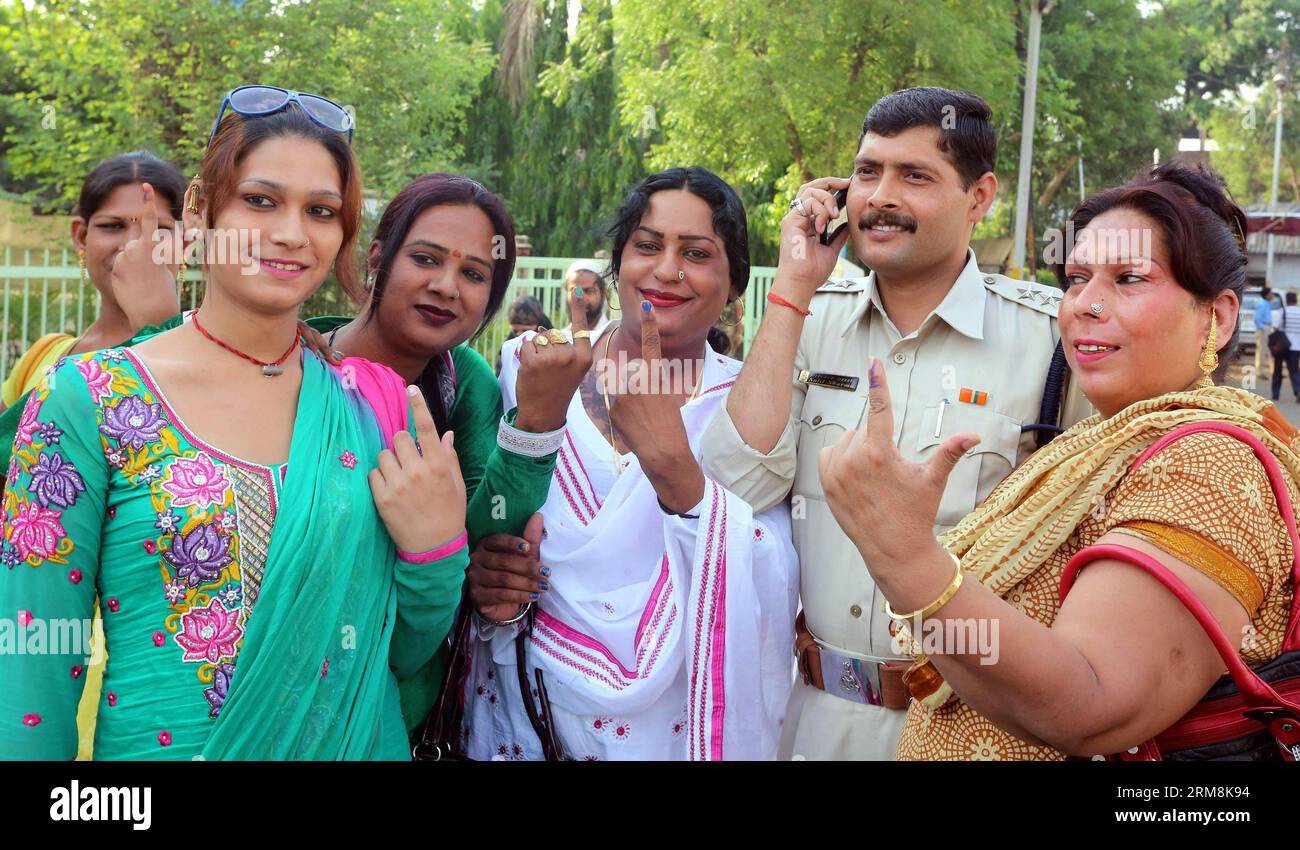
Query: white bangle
(526, 443)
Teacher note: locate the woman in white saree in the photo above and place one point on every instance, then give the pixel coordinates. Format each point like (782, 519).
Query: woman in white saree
(663, 607)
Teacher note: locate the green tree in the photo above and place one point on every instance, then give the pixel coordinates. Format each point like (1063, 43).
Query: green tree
(1231, 51)
(770, 94)
(1100, 94)
(99, 78)
(544, 132)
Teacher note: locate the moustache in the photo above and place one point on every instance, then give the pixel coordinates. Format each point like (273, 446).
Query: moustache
(871, 220)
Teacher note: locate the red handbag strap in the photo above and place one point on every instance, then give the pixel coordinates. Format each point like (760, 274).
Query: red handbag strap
(1255, 691)
(1276, 479)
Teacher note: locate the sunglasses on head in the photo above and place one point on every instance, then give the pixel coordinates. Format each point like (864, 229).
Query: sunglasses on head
(265, 100)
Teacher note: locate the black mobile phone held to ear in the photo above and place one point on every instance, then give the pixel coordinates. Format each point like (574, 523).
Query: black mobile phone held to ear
(833, 228)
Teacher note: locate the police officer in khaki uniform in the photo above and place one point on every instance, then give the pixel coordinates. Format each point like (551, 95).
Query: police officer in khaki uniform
(963, 351)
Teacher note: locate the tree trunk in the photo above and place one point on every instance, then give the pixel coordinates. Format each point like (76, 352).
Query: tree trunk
(1052, 188)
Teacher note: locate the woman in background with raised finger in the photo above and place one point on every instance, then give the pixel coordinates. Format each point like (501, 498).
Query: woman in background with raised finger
(115, 199)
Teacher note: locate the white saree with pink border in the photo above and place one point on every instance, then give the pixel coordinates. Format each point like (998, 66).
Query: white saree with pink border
(661, 637)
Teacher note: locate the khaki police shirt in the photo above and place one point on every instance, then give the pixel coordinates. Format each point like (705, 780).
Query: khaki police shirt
(990, 334)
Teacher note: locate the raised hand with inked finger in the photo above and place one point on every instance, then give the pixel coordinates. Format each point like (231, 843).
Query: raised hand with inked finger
(885, 503)
(418, 490)
(144, 287)
(550, 370)
(649, 419)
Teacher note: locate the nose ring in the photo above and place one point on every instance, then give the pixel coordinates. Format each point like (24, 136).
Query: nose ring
(681, 275)
(1096, 309)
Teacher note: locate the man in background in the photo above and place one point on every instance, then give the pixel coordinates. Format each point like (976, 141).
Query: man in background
(587, 274)
(1263, 327)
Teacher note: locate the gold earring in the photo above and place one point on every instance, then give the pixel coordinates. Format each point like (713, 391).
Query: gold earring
(613, 293)
(191, 196)
(1210, 357)
(81, 265)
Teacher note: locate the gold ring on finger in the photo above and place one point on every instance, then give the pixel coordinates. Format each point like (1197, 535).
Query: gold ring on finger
(577, 335)
(541, 341)
(557, 336)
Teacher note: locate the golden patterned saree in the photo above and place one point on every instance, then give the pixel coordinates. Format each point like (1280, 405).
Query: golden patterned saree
(1206, 500)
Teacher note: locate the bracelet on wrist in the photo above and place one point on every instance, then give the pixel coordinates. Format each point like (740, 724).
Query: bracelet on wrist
(442, 550)
(777, 299)
(523, 612)
(526, 443)
(942, 599)
(666, 510)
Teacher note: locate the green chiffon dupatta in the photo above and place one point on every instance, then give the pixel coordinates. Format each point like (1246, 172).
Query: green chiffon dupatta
(312, 680)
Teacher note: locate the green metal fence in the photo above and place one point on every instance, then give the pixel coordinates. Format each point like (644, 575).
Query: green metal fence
(43, 293)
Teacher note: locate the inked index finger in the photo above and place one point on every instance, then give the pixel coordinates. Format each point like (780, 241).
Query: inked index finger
(880, 417)
(426, 433)
(650, 348)
(578, 310)
(148, 218)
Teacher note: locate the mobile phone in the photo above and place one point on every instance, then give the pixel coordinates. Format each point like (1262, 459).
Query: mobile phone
(833, 228)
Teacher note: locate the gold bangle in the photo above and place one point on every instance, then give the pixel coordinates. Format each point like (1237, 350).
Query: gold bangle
(582, 335)
(947, 594)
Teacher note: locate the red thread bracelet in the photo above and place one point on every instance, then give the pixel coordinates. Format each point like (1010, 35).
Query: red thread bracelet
(777, 299)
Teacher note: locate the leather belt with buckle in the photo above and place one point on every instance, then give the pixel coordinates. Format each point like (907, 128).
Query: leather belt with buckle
(864, 681)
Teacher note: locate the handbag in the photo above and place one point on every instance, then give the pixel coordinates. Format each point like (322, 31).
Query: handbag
(1278, 342)
(439, 738)
(1248, 715)
(539, 713)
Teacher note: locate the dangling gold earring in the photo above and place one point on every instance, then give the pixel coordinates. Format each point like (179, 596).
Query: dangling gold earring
(1210, 357)
(191, 196)
(81, 265)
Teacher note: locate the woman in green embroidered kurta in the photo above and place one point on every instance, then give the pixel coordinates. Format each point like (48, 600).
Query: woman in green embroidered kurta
(109, 490)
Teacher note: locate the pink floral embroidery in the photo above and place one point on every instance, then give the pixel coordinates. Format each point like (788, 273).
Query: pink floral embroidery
(113, 604)
(31, 719)
(27, 424)
(74, 576)
(159, 638)
(622, 731)
(150, 547)
(209, 634)
(25, 618)
(325, 668)
(165, 738)
(198, 482)
(112, 699)
(99, 381)
(601, 725)
(77, 670)
(349, 459)
(35, 531)
(112, 511)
